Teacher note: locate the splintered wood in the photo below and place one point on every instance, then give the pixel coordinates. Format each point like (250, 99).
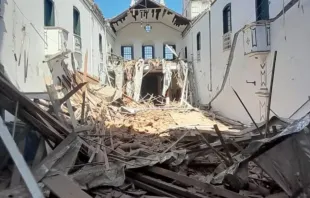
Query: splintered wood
(103, 143)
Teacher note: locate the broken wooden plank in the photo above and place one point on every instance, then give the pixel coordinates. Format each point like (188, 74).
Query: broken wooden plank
(41, 151)
(19, 161)
(175, 143)
(84, 90)
(213, 149)
(85, 128)
(65, 163)
(70, 109)
(45, 166)
(208, 188)
(63, 187)
(55, 102)
(71, 93)
(151, 188)
(164, 185)
(16, 177)
(218, 132)
(11, 92)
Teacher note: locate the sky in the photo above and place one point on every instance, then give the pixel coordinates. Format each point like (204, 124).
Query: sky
(111, 8)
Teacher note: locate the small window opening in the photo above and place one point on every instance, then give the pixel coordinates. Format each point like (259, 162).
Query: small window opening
(198, 38)
(100, 43)
(262, 10)
(76, 22)
(49, 13)
(168, 55)
(185, 52)
(227, 19)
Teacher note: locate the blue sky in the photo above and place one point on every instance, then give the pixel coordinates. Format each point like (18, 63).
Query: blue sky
(111, 8)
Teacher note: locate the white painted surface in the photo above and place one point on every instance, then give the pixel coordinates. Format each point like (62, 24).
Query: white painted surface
(135, 35)
(30, 14)
(288, 37)
(192, 8)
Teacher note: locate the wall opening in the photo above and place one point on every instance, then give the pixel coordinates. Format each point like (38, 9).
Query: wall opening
(100, 43)
(168, 55)
(148, 52)
(262, 10)
(198, 40)
(127, 52)
(76, 21)
(185, 52)
(227, 19)
(49, 13)
(152, 85)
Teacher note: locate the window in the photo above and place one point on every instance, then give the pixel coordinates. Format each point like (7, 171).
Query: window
(147, 52)
(100, 43)
(127, 52)
(227, 19)
(49, 14)
(76, 22)
(262, 10)
(168, 55)
(185, 52)
(198, 38)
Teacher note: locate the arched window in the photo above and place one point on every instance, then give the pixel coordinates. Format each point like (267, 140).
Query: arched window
(76, 21)
(100, 43)
(198, 40)
(227, 19)
(49, 13)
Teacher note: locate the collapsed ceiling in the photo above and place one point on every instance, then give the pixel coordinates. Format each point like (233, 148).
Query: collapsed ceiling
(149, 11)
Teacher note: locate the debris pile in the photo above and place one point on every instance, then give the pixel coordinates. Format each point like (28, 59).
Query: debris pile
(102, 143)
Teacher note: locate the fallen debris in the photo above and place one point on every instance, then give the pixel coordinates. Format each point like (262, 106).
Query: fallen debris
(100, 141)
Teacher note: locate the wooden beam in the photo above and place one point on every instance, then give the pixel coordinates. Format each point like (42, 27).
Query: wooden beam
(218, 132)
(63, 187)
(164, 185)
(208, 188)
(7, 89)
(19, 161)
(45, 166)
(71, 93)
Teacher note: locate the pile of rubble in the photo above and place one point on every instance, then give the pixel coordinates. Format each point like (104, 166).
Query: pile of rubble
(102, 143)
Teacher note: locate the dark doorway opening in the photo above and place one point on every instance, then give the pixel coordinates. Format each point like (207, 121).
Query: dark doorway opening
(151, 85)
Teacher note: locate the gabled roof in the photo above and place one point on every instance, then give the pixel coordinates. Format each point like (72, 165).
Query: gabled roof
(152, 11)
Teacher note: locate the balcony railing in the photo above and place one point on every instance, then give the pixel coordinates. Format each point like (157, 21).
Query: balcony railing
(77, 43)
(227, 41)
(256, 38)
(56, 40)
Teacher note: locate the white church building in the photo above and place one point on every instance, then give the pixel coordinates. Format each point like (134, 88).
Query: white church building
(230, 45)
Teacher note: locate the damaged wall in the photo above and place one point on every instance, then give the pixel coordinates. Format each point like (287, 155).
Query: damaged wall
(291, 68)
(30, 44)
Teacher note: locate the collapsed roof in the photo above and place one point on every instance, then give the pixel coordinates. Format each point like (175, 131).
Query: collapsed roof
(151, 12)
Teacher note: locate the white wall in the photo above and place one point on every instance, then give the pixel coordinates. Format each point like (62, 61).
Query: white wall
(31, 15)
(192, 8)
(135, 35)
(290, 88)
